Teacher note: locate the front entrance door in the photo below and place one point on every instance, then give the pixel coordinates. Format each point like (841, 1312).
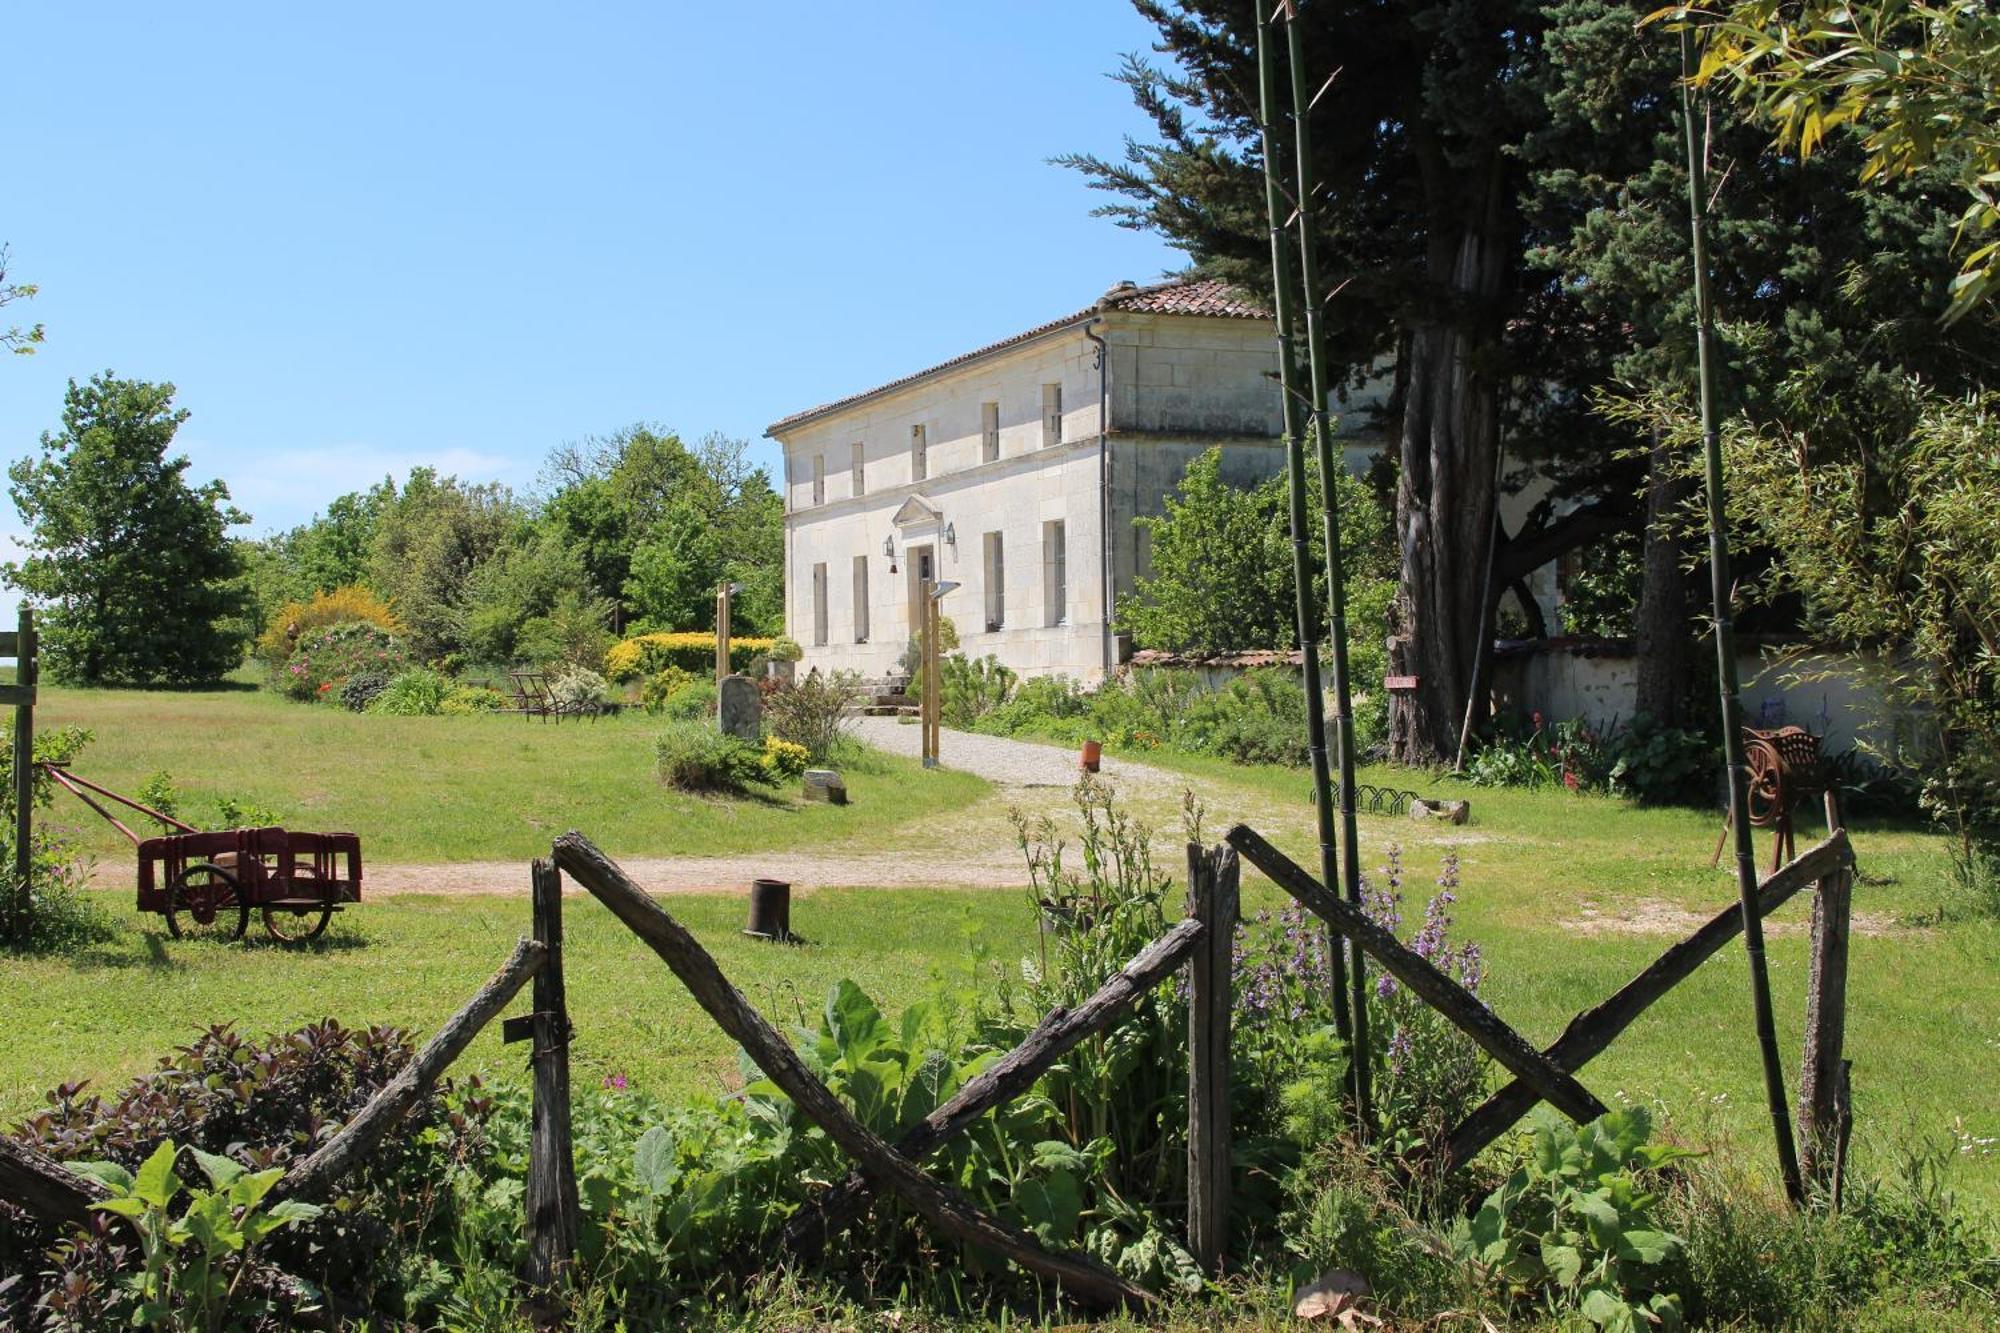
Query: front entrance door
(923, 570)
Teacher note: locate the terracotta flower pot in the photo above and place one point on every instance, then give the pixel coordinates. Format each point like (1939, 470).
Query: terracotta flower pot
(1093, 751)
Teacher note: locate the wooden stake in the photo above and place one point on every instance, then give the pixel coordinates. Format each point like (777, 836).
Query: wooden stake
(943, 1207)
(551, 1193)
(1212, 886)
(1824, 1070)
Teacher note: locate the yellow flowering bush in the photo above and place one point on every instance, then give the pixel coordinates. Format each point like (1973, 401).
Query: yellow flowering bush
(690, 650)
(784, 759)
(351, 603)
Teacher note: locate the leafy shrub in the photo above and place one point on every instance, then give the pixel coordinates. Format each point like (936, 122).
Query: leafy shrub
(784, 759)
(163, 794)
(691, 703)
(571, 634)
(1576, 1228)
(697, 757)
(194, 1264)
(911, 663)
(324, 657)
(264, 1104)
(348, 604)
(785, 648)
(360, 689)
(662, 685)
(1660, 765)
(579, 690)
(814, 713)
(1036, 705)
(971, 688)
(60, 915)
(463, 700)
(418, 692)
(644, 654)
(1258, 718)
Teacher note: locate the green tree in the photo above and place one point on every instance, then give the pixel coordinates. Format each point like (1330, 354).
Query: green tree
(130, 564)
(1222, 575)
(18, 340)
(1916, 81)
(428, 543)
(1417, 146)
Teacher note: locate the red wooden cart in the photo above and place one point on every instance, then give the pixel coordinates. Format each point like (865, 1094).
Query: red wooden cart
(206, 883)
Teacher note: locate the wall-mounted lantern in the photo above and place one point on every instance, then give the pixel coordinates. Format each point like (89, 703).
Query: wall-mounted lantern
(951, 536)
(889, 549)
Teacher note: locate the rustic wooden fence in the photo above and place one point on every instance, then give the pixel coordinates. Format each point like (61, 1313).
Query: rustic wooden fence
(1202, 942)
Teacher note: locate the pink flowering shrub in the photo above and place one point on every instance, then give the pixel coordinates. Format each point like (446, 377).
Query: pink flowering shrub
(328, 655)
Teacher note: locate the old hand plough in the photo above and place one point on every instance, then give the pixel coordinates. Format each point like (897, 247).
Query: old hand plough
(206, 883)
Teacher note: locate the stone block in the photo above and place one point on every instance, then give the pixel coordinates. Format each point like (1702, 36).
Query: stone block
(1457, 812)
(825, 784)
(741, 711)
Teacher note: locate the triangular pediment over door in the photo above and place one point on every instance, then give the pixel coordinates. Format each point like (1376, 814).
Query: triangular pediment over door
(915, 512)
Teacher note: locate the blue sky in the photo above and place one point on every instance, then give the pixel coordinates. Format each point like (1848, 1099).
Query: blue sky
(364, 236)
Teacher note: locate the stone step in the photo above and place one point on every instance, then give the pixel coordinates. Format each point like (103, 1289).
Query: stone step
(891, 710)
(892, 699)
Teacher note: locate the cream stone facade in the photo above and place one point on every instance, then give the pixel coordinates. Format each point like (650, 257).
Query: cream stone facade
(1016, 472)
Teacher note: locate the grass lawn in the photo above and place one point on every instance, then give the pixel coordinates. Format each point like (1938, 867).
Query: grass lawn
(1568, 895)
(428, 789)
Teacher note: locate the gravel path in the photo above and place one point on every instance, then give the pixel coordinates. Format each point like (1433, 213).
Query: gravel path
(976, 850)
(1012, 763)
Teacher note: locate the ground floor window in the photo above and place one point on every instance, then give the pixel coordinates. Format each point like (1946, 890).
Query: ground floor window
(861, 599)
(996, 582)
(819, 606)
(1055, 573)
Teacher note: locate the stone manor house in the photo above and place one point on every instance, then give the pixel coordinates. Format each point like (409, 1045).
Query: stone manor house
(1016, 471)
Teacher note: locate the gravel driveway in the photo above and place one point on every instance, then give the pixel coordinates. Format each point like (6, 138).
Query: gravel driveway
(1014, 763)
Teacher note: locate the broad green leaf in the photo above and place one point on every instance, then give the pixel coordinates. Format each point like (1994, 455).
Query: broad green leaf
(853, 1021)
(249, 1190)
(1565, 1262)
(655, 1161)
(1648, 1247)
(123, 1206)
(222, 1172)
(109, 1174)
(156, 1182)
(1604, 1309)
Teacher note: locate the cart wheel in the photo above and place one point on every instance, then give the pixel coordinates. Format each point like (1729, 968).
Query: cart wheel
(295, 925)
(204, 902)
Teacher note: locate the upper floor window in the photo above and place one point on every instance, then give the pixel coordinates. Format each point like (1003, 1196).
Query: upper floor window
(989, 432)
(1051, 414)
(819, 479)
(920, 453)
(854, 461)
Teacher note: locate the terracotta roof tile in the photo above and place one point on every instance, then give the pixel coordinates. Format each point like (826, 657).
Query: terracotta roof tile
(1204, 297)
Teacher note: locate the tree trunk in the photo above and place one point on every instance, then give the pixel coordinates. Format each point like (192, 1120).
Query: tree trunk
(1444, 495)
(1665, 645)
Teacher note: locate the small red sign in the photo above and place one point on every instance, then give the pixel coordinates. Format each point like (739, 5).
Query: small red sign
(1399, 682)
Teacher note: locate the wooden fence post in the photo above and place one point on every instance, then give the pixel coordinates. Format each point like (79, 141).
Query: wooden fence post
(20, 899)
(1212, 887)
(551, 1193)
(1823, 1076)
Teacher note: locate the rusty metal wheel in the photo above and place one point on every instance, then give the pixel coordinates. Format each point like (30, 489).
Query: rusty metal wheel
(205, 902)
(303, 915)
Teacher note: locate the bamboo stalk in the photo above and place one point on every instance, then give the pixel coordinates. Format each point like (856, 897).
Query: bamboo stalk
(1295, 477)
(1336, 588)
(1725, 639)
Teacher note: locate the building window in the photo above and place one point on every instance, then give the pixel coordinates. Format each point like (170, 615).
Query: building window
(819, 479)
(861, 599)
(1051, 414)
(996, 582)
(819, 606)
(1055, 573)
(920, 454)
(854, 462)
(989, 432)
